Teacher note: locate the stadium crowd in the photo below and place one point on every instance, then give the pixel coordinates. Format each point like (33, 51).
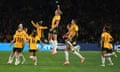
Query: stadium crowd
(90, 16)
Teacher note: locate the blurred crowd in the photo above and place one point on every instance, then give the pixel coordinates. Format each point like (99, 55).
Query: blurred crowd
(91, 15)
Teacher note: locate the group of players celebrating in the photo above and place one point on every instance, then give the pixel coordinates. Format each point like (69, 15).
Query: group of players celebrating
(21, 37)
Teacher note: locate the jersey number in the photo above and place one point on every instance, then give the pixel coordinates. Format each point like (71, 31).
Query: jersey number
(19, 39)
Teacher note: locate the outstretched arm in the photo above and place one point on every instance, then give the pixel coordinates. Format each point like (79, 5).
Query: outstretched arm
(33, 23)
(44, 27)
(12, 42)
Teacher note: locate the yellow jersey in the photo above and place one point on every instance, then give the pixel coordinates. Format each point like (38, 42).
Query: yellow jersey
(39, 29)
(33, 42)
(24, 33)
(19, 39)
(55, 18)
(73, 29)
(106, 40)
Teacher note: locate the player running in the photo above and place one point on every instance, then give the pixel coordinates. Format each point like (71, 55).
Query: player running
(71, 40)
(52, 37)
(33, 40)
(106, 45)
(18, 40)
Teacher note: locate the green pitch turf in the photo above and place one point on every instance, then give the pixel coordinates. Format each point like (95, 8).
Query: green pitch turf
(49, 63)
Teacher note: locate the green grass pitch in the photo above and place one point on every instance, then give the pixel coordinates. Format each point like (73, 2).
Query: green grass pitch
(49, 63)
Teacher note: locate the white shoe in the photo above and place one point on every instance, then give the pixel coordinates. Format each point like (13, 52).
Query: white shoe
(35, 63)
(111, 64)
(103, 65)
(10, 62)
(17, 62)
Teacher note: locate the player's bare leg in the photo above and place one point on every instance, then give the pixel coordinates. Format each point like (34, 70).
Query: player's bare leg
(51, 41)
(11, 57)
(17, 58)
(54, 50)
(67, 55)
(76, 52)
(22, 57)
(31, 55)
(103, 58)
(34, 58)
(108, 56)
(80, 56)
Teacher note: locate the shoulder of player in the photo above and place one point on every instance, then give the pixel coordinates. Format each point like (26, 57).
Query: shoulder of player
(105, 33)
(57, 17)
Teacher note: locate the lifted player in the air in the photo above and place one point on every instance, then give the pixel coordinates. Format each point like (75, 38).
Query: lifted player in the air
(52, 37)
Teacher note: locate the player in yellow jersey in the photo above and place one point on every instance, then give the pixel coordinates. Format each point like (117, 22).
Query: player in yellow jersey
(33, 40)
(18, 40)
(52, 37)
(106, 45)
(39, 28)
(71, 40)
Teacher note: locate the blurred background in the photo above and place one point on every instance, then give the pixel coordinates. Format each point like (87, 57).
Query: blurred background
(91, 15)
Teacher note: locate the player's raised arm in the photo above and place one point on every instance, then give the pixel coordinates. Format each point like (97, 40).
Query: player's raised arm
(59, 10)
(44, 27)
(33, 23)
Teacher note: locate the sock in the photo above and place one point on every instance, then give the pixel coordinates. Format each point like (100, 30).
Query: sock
(77, 48)
(110, 61)
(35, 60)
(22, 56)
(103, 59)
(55, 43)
(66, 56)
(52, 43)
(78, 54)
(114, 53)
(10, 60)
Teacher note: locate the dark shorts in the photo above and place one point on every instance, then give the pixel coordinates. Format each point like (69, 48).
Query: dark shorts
(74, 41)
(33, 51)
(54, 31)
(107, 50)
(19, 50)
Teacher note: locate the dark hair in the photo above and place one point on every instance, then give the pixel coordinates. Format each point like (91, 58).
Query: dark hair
(34, 33)
(107, 27)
